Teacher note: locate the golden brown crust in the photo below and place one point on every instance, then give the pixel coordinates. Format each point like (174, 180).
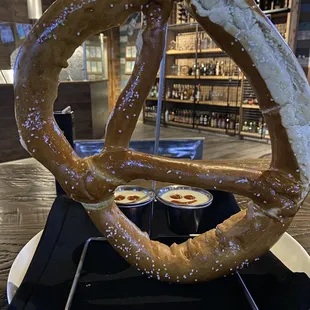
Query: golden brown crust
(277, 190)
(232, 245)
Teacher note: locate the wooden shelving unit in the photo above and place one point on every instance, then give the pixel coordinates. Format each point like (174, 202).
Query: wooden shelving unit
(237, 89)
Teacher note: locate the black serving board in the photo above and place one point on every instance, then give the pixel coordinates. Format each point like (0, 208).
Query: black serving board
(107, 282)
(126, 288)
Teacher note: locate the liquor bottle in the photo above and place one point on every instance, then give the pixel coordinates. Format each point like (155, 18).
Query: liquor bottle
(198, 92)
(198, 69)
(201, 119)
(190, 71)
(237, 123)
(222, 68)
(223, 125)
(173, 92)
(185, 116)
(207, 69)
(167, 116)
(215, 120)
(185, 93)
(210, 68)
(177, 116)
(220, 121)
(177, 95)
(168, 94)
(245, 126)
(188, 116)
(182, 116)
(217, 68)
(192, 93)
(181, 93)
(260, 126)
(202, 69)
(194, 69)
(265, 130)
(227, 121)
(197, 118)
(250, 127)
(225, 68)
(232, 122)
(213, 68)
(205, 120)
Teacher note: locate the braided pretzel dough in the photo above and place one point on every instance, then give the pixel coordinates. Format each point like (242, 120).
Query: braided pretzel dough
(277, 189)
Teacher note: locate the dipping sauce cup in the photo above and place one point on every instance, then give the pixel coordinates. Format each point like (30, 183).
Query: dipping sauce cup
(184, 207)
(134, 201)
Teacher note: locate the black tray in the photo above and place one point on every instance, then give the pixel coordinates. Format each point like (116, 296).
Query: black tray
(50, 276)
(104, 280)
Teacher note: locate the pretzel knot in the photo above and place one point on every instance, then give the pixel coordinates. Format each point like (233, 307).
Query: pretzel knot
(277, 189)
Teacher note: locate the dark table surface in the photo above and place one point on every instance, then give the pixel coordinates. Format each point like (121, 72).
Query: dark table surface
(27, 192)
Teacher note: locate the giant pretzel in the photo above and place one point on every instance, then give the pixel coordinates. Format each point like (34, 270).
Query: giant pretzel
(277, 189)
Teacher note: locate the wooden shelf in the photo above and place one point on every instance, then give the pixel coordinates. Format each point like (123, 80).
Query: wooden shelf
(180, 101)
(213, 103)
(251, 134)
(151, 120)
(188, 52)
(221, 130)
(217, 103)
(250, 106)
(180, 124)
(191, 77)
(254, 135)
(130, 58)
